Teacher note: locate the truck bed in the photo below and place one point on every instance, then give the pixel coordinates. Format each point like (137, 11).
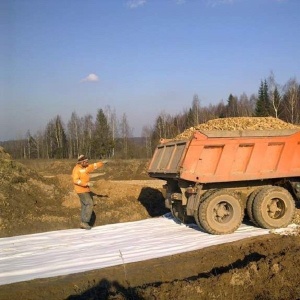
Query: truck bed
(222, 156)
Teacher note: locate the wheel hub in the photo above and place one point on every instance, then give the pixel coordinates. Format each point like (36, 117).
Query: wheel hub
(273, 208)
(221, 211)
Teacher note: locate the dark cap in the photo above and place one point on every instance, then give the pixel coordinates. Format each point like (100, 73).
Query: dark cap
(81, 158)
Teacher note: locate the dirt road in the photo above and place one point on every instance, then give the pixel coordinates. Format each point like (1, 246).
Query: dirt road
(38, 197)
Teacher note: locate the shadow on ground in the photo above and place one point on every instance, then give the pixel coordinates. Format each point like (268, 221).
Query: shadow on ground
(105, 290)
(153, 200)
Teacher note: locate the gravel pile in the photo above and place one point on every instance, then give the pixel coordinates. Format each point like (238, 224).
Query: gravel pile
(237, 124)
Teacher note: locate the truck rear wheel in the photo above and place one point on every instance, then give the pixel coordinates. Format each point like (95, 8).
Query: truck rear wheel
(249, 205)
(203, 197)
(220, 213)
(273, 207)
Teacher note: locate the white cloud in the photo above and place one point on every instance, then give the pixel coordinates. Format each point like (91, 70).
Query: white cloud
(91, 77)
(136, 3)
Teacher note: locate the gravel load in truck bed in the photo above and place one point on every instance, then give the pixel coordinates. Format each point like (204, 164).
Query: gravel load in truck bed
(237, 124)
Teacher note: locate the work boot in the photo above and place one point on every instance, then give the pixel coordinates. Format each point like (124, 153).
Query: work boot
(84, 225)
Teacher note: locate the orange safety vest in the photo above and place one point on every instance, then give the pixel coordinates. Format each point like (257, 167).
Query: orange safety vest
(81, 176)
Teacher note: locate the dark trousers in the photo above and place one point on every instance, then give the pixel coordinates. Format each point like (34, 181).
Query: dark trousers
(87, 204)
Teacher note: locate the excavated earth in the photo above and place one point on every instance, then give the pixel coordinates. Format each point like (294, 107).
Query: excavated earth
(37, 196)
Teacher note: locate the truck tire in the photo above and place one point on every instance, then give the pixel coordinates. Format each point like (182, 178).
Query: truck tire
(202, 198)
(249, 204)
(273, 207)
(221, 213)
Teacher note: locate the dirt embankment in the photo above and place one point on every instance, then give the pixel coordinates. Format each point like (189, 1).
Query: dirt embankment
(37, 196)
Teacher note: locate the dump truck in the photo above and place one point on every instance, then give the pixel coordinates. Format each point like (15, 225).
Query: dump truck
(215, 178)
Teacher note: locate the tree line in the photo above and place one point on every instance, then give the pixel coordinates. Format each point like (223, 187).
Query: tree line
(108, 136)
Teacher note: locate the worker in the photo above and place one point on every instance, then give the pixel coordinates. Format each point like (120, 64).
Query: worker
(82, 184)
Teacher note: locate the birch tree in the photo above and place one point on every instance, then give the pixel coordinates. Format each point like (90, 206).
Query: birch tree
(291, 101)
(125, 135)
(112, 123)
(86, 135)
(196, 110)
(274, 94)
(55, 138)
(74, 132)
(146, 134)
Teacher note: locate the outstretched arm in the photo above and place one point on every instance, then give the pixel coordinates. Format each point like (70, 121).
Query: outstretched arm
(95, 166)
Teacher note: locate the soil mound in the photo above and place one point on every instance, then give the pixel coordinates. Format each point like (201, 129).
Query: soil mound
(13, 172)
(26, 198)
(38, 195)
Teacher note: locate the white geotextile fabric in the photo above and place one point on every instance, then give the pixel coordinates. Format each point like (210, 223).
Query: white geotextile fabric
(72, 251)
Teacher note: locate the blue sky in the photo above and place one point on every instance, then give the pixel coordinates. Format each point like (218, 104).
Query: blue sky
(139, 57)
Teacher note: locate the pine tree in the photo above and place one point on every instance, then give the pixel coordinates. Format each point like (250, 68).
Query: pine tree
(102, 141)
(267, 99)
(263, 105)
(232, 107)
(32, 146)
(190, 119)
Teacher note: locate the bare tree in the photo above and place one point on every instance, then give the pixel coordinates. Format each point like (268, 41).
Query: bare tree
(112, 122)
(61, 138)
(74, 133)
(146, 134)
(246, 107)
(196, 110)
(126, 133)
(86, 135)
(39, 137)
(274, 94)
(291, 101)
(55, 138)
(163, 125)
